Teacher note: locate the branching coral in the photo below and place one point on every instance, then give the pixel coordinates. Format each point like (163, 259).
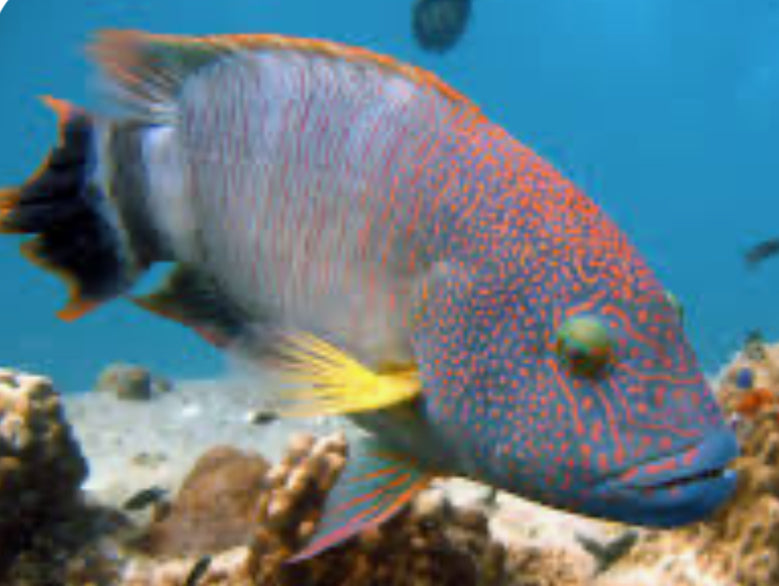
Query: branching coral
(432, 542)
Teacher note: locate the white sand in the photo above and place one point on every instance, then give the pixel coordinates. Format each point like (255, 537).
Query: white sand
(133, 445)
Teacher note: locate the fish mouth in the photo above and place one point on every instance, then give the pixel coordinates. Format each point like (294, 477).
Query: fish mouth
(679, 489)
(702, 476)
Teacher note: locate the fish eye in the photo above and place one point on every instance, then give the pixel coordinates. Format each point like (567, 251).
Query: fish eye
(584, 345)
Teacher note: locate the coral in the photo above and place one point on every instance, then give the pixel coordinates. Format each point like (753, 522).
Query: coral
(744, 537)
(41, 466)
(432, 542)
(79, 549)
(761, 361)
(236, 520)
(534, 566)
(229, 568)
(215, 508)
(429, 543)
(48, 533)
(130, 382)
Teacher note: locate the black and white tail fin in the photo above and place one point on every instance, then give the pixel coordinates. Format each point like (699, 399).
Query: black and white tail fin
(77, 236)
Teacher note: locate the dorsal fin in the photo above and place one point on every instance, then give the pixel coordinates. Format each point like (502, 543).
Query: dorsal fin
(151, 68)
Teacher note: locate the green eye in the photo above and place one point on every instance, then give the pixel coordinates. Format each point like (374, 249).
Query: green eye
(673, 300)
(584, 345)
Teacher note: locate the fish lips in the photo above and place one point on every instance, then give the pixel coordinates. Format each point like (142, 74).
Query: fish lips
(674, 490)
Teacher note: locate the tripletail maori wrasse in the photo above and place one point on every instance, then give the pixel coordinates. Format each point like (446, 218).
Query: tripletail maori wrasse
(365, 228)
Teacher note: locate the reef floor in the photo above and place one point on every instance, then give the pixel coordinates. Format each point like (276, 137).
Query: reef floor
(133, 445)
(199, 485)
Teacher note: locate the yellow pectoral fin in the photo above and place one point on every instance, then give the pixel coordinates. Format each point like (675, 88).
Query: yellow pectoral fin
(326, 381)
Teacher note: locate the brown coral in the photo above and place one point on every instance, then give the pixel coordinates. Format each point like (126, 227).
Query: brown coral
(215, 508)
(533, 566)
(432, 542)
(130, 382)
(429, 543)
(41, 466)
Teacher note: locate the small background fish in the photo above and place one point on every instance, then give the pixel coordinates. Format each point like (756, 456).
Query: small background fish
(761, 252)
(438, 25)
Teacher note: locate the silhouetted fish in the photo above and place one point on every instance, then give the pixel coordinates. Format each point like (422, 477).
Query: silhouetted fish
(144, 498)
(439, 24)
(198, 571)
(608, 553)
(762, 251)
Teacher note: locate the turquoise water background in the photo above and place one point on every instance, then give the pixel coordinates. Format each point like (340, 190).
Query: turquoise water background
(665, 111)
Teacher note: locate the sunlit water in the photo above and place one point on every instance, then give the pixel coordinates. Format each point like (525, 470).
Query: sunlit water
(666, 112)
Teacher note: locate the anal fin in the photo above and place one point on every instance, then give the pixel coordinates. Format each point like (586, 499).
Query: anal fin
(375, 485)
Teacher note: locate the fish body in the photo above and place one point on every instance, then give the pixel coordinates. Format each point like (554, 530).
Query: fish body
(198, 571)
(494, 323)
(606, 554)
(145, 498)
(761, 252)
(439, 24)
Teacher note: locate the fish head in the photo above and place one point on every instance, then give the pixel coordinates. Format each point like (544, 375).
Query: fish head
(582, 392)
(612, 416)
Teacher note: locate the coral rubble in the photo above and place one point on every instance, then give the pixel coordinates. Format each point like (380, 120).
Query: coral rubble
(236, 519)
(432, 542)
(133, 383)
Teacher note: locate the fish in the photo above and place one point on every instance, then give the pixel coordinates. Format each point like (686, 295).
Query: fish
(198, 571)
(744, 378)
(262, 417)
(364, 228)
(145, 497)
(754, 347)
(439, 24)
(761, 252)
(606, 554)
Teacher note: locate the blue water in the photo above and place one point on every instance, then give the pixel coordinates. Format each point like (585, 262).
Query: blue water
(665, 112)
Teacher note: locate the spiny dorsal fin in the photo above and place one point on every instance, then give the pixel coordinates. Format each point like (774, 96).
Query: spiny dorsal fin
(150, 68)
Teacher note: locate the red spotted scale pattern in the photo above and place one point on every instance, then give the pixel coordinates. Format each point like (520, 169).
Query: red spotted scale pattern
(352, 201)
